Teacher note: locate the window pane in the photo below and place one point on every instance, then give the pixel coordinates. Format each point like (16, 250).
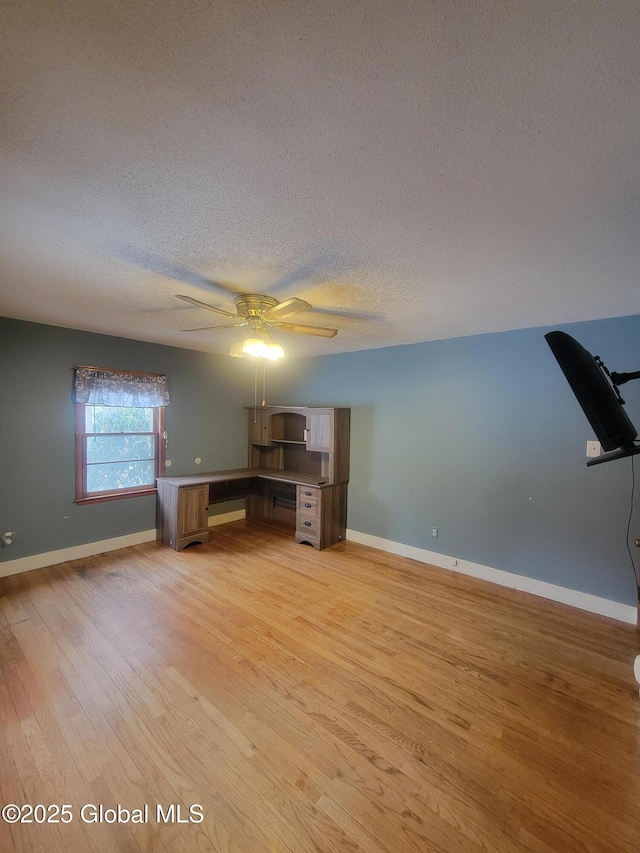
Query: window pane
(113, 448)
(119, 475)
(118, 419)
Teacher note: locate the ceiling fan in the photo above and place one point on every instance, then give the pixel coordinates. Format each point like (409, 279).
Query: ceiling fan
(260, 314)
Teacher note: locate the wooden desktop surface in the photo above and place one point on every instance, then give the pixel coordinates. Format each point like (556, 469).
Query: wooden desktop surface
(245, 474)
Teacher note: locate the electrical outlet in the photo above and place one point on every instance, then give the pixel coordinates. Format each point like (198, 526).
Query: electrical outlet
(593, 448)
(434, 532)
(454, 563)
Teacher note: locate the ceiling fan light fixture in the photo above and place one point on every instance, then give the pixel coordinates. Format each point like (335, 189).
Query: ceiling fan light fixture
(254, 346)
(274, 352)
(236, 350)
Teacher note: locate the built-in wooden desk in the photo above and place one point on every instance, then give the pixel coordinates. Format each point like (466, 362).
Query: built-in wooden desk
(182, 516)
(298, 468)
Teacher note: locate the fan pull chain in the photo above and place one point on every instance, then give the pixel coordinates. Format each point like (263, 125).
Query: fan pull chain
(264, 382)
(255, 393)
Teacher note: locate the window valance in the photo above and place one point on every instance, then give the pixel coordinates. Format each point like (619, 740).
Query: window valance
(103, 387)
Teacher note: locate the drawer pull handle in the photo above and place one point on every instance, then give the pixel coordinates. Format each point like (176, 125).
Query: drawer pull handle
(307, 524)
(308, 506)
(308, 494)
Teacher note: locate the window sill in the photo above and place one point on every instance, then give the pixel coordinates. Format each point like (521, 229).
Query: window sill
(101, 497)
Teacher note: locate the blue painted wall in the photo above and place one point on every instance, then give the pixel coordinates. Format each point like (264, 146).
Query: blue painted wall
(37, 427)
(479, 436)
(483, 438)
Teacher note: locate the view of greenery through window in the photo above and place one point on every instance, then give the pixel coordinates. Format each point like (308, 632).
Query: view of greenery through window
(120, 448)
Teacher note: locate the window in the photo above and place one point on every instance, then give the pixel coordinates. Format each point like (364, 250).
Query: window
(120, 435)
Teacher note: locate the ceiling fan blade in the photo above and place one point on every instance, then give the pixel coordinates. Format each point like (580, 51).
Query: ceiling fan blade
(289, 306)
(199, 304)
(318, 331)
(209, 328)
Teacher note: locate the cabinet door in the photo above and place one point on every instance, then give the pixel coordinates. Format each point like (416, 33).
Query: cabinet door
(259, 426)
(192, 510)
(320, 430)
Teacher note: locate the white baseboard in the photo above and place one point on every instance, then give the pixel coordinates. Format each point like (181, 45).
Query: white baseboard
(75, 552)
(592, 603)
(224, 517)
(90, 549)
(582, 600)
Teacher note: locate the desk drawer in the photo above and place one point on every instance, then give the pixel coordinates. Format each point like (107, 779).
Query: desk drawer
(307, 499)
(307, 523)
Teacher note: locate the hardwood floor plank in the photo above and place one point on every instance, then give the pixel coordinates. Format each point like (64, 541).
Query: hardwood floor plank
(312, 702)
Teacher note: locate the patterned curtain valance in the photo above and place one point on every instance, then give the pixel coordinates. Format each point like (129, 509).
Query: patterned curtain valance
(115, 388)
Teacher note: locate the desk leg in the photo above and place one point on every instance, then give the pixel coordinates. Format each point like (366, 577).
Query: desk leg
(258, 500)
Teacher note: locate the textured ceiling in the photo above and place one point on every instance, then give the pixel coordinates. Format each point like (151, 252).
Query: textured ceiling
(416, 170)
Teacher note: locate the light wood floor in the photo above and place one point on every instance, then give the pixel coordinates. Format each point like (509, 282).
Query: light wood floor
(346, 700)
